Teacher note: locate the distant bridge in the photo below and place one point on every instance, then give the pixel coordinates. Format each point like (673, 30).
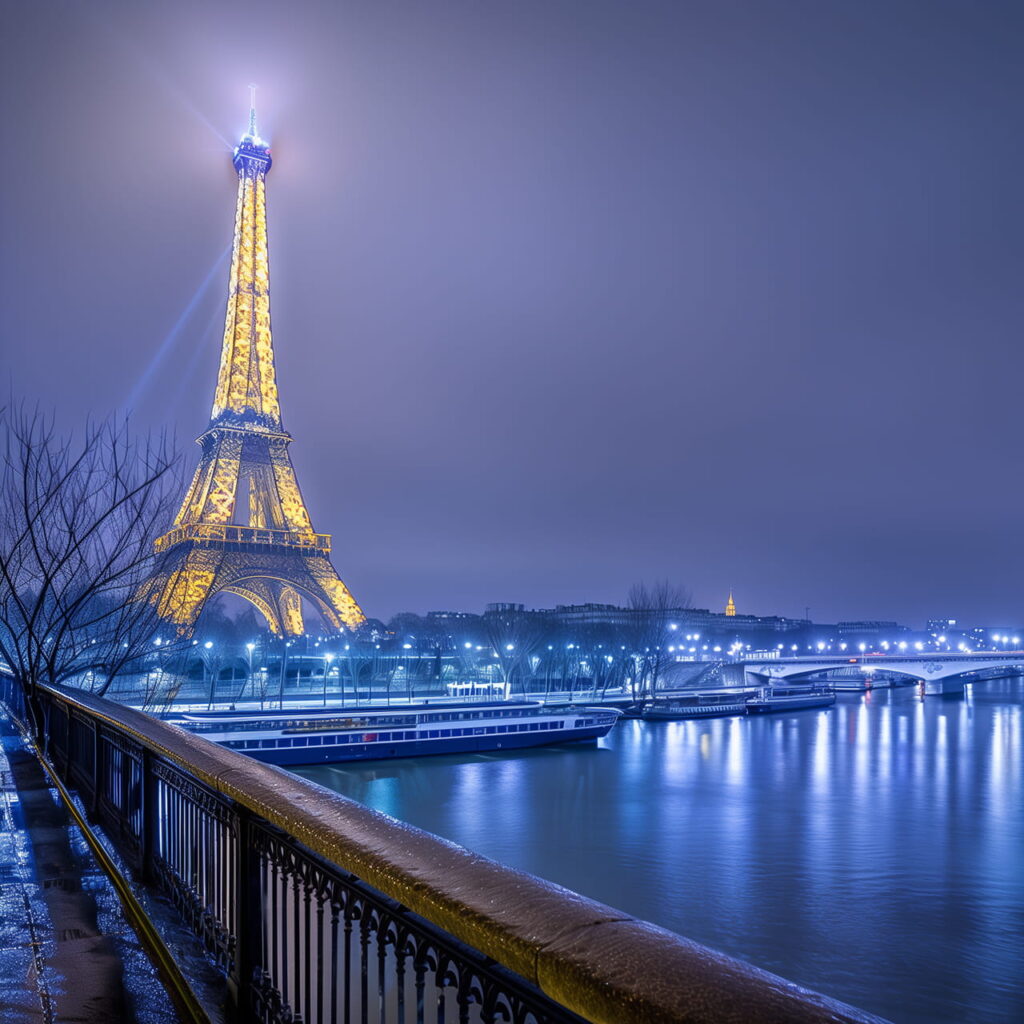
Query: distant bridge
(941, 673)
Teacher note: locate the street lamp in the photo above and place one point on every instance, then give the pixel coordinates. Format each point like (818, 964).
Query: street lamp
(408, 676)
(328, 658)
(249, 647)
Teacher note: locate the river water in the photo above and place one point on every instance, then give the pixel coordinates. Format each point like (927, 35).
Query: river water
(874, 851)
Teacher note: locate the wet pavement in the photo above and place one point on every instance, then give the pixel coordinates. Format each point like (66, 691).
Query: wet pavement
(66, 951)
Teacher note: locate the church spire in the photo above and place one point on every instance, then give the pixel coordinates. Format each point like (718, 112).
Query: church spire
(730, 607)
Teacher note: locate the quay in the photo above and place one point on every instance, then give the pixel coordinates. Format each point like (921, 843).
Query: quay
(66, 950)
(316, 908)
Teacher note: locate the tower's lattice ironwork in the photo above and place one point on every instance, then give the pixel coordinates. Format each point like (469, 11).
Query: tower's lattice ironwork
(243, 527)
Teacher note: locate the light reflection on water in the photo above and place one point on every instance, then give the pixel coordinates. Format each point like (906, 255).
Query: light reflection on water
(874, 852)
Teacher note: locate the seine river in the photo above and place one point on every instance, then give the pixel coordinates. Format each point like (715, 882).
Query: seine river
(874, 851)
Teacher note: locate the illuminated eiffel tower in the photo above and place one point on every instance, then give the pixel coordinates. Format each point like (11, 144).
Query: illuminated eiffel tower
(243, 527)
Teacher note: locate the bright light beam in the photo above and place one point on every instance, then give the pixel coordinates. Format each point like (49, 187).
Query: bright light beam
(147, 375)
(209, 336)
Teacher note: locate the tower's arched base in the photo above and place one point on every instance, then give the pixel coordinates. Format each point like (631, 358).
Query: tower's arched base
(271, 576)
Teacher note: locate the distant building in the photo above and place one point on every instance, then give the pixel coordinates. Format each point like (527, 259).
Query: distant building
(699, 628)
(701, 634)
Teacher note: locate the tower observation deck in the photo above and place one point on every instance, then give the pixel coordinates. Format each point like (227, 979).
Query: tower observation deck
(243, 527)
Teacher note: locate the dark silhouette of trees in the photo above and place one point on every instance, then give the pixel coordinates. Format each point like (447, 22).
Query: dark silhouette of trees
(651, 610)
(515, 637)
(78, 518)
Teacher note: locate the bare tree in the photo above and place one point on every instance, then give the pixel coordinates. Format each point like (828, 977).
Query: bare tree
(651, 610)
(78, 518)
(515, 637)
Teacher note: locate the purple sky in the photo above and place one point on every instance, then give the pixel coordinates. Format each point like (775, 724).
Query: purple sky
(565, 294)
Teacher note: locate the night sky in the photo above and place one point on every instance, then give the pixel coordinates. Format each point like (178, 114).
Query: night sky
(565, 294)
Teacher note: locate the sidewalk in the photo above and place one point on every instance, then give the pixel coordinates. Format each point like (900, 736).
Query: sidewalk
(66, 952)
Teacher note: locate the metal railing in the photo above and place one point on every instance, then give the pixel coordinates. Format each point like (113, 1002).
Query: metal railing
(318, 909)
(215, 533)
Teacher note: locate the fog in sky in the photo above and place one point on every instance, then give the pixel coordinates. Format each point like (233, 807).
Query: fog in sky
(565, 294)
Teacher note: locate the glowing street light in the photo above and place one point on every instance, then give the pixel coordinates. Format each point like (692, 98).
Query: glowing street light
(328, 658)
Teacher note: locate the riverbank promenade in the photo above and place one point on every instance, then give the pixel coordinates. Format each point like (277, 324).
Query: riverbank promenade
(66, 951)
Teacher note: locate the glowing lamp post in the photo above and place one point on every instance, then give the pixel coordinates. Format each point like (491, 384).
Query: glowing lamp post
(328, 658)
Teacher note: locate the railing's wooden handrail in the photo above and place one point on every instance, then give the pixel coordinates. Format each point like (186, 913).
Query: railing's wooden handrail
(602, 964)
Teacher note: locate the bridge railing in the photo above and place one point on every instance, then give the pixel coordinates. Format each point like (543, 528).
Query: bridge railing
(318, 909)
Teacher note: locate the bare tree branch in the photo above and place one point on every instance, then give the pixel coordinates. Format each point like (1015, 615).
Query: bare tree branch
(78, 518)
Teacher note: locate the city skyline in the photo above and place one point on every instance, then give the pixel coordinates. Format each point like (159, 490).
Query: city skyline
(526, 360)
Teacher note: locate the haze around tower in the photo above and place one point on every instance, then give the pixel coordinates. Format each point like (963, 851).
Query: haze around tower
(722, 293)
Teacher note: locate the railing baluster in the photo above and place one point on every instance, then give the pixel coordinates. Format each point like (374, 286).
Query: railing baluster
(296, 959)
(307, 992)
(364, 967)
(332, 994)
(400, 978)
(249, 932)
(321, 896)
(274, 924)
(382, 952)
(347, 987)
(421, 972)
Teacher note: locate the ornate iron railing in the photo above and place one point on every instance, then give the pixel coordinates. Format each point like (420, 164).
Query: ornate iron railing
(319, 910)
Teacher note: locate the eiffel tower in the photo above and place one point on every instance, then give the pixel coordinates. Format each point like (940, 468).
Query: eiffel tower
(243, 527)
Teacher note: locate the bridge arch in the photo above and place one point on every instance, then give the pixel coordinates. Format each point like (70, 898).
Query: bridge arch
(940, 674)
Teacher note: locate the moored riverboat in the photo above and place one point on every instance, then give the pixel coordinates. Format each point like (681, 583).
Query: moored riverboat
(698, 705)
(790, 697)
(321, 736)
